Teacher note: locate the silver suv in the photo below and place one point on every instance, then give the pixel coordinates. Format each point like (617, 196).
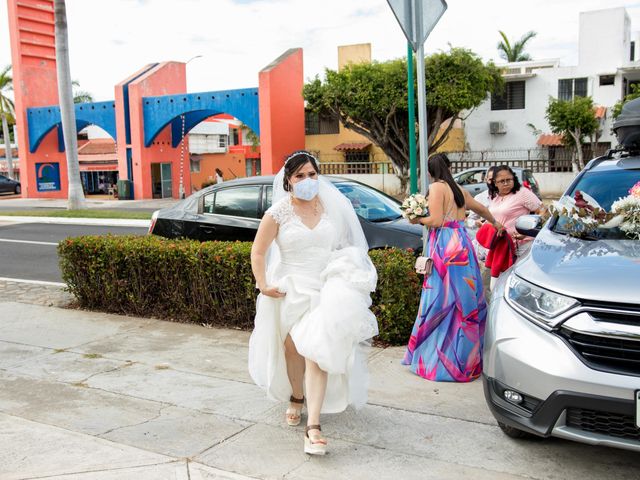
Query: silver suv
(562, 344)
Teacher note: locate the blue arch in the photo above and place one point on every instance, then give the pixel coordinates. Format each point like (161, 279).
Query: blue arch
(158, 112)
(41, 120)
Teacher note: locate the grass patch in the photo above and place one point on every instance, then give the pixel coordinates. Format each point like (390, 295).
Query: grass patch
(87, 213)
(92, 355)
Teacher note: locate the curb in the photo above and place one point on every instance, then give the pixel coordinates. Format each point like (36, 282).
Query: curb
(110, 222)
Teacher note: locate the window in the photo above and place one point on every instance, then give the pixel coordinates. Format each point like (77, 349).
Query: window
(222, 141)
(568, 88)
(512, 98)
(632, 52)
(234, 139)
(471, 178)
(195, 164)
(607, 80)
(356, 156)
(237, 202)
(320, 123)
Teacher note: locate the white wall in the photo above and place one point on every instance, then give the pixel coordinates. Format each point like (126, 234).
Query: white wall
(604, 47)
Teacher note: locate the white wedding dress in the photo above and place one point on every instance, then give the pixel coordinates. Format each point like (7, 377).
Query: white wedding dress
(325, 310)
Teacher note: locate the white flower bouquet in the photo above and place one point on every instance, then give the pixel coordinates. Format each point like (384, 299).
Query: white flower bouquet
(627, 211)
(414, 206)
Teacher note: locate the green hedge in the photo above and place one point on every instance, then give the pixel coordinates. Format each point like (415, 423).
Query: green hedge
(210, 282)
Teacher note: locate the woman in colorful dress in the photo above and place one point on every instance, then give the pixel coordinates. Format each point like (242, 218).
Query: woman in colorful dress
(446, 341)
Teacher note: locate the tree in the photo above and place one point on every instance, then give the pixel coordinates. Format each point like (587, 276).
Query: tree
(371, 99)
(574, 120)
(7, 112)
(80, 96)
(75, 197)
(515, 52)
(617, 108)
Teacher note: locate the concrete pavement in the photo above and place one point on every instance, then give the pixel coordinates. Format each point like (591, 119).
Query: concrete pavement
(87, 395)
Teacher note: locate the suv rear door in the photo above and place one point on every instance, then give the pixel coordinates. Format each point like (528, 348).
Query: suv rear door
(231, 213)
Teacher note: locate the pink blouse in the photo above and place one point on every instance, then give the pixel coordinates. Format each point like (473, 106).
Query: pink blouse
(509, 208)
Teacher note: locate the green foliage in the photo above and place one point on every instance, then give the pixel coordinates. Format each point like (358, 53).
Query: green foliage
(209, 283)
(7, 107)
(573, 119)
(635, 93)
(371, 98)
(515, 52)
(396, 300)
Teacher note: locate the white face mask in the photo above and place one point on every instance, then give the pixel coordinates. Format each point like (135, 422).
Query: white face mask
(306, 189)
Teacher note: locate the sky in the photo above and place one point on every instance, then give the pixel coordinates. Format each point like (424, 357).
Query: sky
(233, 40)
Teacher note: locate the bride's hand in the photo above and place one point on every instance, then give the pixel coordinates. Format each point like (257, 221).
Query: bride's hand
(270, 291)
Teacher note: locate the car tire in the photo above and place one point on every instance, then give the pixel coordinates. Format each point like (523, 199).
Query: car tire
(513, 432)
(18, 190)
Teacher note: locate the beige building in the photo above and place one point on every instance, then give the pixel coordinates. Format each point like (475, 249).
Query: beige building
(332, 142)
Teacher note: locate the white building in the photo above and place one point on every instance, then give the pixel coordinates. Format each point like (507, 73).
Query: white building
(607, 67)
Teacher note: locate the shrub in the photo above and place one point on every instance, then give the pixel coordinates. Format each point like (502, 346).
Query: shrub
(209, 282)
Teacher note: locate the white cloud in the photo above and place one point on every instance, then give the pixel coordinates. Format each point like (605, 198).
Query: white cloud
(236, 38)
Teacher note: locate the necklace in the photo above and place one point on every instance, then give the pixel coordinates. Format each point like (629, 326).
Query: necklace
(307, 212)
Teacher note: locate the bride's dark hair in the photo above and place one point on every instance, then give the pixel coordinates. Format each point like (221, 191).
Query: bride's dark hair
(294, 162)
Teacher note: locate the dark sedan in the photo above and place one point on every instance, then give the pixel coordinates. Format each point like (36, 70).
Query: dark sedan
(232, 211)
(9, 186)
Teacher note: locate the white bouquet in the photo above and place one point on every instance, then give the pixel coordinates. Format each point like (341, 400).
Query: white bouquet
(627, 211)
(414, 206)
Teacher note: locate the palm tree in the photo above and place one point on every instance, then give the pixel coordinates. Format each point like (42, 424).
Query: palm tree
(515, 52)
(80, 96)
(7, 112)
(75, 197)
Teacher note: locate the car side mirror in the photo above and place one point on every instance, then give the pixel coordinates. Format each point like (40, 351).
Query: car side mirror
(529, 225)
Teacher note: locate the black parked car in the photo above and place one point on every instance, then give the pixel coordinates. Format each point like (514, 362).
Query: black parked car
(232, 211)
(9, 186)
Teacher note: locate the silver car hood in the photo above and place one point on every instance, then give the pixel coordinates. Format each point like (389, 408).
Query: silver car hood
(602, 271)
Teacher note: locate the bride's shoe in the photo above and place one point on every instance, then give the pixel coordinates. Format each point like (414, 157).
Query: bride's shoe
(316, 445)
(294, 415)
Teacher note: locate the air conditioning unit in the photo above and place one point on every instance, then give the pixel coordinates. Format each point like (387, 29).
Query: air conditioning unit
(497, 128)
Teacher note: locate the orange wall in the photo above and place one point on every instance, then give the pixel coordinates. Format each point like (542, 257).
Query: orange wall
(232, 166)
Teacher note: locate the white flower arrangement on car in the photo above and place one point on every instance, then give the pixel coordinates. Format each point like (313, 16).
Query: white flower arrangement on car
(583, 216)
(414, 206)
(627, 212)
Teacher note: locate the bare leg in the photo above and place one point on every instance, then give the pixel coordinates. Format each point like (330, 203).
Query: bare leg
(316, 382)
(295, 372)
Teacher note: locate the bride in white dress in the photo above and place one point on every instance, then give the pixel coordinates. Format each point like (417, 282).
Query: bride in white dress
(314, 274)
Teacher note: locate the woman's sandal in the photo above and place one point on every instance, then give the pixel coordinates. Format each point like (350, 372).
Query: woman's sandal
(317, 446)
(294, 415)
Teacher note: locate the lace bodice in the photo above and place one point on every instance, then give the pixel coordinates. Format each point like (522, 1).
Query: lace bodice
(302, 249)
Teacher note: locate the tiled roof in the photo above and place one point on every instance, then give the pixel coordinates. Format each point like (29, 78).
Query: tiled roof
(358, 146)
(98, 146)
(550, 140)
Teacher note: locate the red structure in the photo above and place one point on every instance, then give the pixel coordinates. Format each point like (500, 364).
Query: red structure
(32, 34)
(155, 168)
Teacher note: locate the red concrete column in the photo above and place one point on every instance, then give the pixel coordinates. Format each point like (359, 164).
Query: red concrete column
(35, 83)
(281, 110)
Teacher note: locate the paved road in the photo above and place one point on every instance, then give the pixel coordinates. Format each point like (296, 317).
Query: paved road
(28, 250)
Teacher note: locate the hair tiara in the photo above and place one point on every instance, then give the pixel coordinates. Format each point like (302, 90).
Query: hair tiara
(305, 153)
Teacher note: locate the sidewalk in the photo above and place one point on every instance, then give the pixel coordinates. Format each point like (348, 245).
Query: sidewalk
(87, 395)
(93, 202)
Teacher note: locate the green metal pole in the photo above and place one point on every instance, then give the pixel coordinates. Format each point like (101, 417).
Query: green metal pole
(413, 167)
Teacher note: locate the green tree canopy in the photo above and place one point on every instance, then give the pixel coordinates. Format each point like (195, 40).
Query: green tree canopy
(574, 120)
(6, 85)
(617, 108)
(371, 98)
(514, 52)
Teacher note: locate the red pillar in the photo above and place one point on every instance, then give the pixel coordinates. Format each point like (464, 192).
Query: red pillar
(35, 83)
(281, 110)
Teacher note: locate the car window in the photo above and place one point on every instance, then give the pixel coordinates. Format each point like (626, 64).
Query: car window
(470, 178)
(236, 201)
(3, 178)
(268, 194)
(369, 203)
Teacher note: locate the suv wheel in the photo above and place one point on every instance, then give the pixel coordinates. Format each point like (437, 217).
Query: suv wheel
(18, 190)
(514, 432)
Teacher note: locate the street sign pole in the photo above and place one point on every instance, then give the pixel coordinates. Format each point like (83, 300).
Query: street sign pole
(417, 18)
(413, 168)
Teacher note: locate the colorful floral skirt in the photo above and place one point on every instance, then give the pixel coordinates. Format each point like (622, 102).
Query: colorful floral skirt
(447, 338)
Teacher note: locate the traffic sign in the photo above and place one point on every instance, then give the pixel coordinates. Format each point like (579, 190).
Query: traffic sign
(417, 18)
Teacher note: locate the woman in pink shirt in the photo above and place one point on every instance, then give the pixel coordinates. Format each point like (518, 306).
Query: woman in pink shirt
(508, 201)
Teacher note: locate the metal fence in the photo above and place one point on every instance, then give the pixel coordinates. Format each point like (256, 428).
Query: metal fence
(538, 160)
